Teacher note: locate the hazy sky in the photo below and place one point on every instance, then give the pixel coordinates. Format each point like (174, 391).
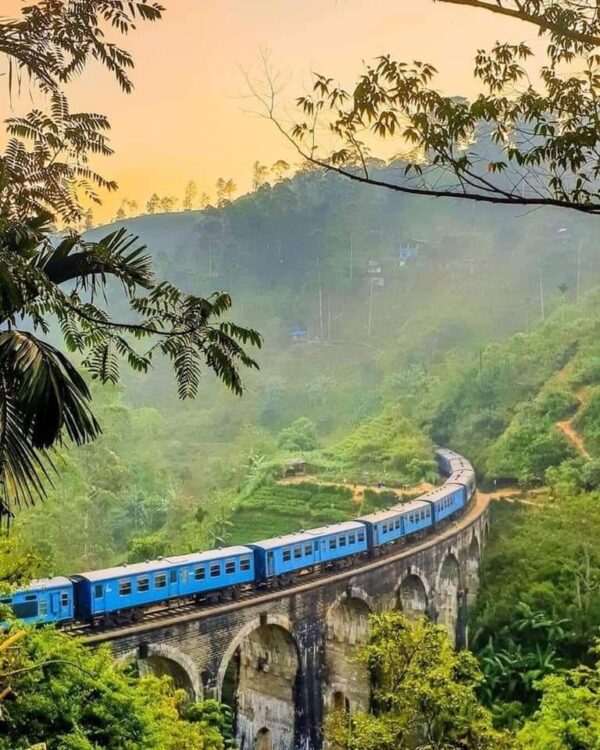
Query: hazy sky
(186, 118)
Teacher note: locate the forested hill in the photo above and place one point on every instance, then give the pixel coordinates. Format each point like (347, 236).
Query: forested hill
(364, 295)
(388, 325)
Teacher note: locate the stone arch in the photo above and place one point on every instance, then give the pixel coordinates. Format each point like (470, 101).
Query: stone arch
(412, 596)
(261, 667)
(447, 591)
(472, 570)
(163, 660)
(347, 630)
(264, 740)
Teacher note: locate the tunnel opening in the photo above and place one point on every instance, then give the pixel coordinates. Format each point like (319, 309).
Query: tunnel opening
(412, 597)
(347, 682)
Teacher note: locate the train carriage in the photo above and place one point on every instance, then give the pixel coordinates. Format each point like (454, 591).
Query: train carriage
(466, 478)
(289, 554)
(387, 526)
(446, 500)
(449, 461)
(45, 601)
(100, 593)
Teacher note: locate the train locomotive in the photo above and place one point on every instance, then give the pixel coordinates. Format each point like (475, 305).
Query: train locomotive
(123, 593)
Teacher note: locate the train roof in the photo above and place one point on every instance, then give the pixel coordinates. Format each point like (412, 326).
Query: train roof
(152, 566)
(49, 583)
(447, 453)
(439, 492)
(308, 536)
(396, 510)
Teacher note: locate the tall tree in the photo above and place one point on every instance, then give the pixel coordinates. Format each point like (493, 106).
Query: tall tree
(260, 172)
(153, 204)
(167, 203)
(44, 171)
(531, 137)
(204, 200)
(229, 189)
(220, 186)
(280, 169)
(190, 193)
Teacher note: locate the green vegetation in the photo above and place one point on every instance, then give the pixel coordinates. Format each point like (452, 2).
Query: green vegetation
(424, 694)
(59, 692)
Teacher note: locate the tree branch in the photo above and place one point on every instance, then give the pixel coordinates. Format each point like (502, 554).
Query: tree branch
(539, 21)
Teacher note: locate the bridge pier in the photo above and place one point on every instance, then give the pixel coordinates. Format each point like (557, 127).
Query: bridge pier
(286, 658)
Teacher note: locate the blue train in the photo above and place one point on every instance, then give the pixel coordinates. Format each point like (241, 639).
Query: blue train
(123, 593)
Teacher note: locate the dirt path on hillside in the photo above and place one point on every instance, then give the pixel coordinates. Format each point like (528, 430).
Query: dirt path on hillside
(358, 490)
(567, 428)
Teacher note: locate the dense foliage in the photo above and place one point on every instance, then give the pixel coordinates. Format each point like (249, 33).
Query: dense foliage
(424, 694)
(57, 691)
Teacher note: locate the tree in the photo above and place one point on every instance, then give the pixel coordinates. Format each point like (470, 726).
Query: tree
(153, 204)
(424, 694)
(229, 189)
(517, 143)
(191, 191)
(220, 186)
(280, 169)
(260, 172)
(167, 203)
(88, 219)
(43, 173)
(569, 712)
(69, 696)
(121, 213)
(204, 200)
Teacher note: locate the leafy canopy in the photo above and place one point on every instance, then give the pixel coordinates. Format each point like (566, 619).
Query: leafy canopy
(424, 693)
(44, 278)
(530, 137)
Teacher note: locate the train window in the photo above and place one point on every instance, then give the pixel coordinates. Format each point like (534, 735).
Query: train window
(230, 567)
(422, 515)
(124, 588)
(64, 599)
(160, 581)
(308, 550)
(244, 563)
(384, 527)
(200, 573)
(361, 536)
(31, 597)
(287, 555)
(297, 552)
(351, 538)
(333, 544)
(397, 523)
(215, 570)
(172, 576)
(143, 583)
(98, 591)
(411, 518)
(43, 609)
(342, 541)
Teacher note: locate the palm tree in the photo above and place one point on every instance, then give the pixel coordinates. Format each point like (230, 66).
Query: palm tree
(43, 397)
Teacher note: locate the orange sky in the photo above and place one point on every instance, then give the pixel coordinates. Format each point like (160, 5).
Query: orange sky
(186, 118)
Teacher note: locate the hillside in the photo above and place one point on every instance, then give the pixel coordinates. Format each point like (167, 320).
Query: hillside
(393, 314)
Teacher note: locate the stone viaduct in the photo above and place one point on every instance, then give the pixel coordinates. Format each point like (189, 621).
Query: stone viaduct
(285, 658)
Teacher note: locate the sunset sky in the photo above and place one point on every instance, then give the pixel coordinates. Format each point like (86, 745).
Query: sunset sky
(188, 119)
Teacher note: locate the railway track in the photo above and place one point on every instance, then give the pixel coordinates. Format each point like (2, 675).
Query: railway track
(171, 615)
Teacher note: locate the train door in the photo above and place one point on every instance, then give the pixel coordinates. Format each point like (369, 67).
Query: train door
(270, 564)
(323, 549)
(55, 604)
(173, 583)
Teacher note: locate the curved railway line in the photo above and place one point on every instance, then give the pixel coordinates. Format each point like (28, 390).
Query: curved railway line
(159, 617)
